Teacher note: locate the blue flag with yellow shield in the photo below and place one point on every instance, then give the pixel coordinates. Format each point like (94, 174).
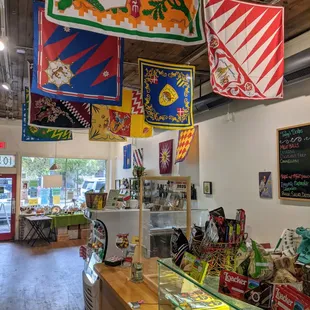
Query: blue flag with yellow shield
(167, 94)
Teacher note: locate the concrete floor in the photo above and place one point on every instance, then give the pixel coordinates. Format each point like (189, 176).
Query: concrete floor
(42, 277)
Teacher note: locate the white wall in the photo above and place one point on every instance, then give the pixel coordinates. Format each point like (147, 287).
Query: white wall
(233, 153)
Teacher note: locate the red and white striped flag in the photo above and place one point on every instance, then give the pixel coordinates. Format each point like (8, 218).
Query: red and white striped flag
(246, 49)
(138, 157)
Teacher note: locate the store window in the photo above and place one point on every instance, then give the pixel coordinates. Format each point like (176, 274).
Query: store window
(77, 177)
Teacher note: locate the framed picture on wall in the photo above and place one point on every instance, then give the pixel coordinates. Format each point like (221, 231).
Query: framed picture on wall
(207, 188)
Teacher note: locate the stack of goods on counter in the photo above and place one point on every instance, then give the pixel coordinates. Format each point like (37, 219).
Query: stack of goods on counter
(277, 279)
(268, 281)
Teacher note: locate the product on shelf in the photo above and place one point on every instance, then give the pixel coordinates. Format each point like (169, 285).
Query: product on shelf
(196, 300)
(179, 245)
(288, 298)
(194, 267)
(233, 284)
(259, 294)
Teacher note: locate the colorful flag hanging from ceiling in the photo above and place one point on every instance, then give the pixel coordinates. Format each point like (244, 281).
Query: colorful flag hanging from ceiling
(246, 49)
(48, 112)
(165, 157)
(167, 94)
(35, 134)
(184, 143)
(138, 157)
(128, 120)
(167, 21)
(99, 130)
(127, 156)
(74, 64)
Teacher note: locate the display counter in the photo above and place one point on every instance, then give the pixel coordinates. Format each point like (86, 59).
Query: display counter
(116, 290)
(174, 283)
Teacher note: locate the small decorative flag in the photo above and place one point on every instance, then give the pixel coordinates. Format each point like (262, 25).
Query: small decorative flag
(177, 22)
(167, 94)
(138, 157)
(127, 156)
(75, 65)
(246, 49)
(165, 157)
(184, 143)
(128, 120)
(99, 130)
(35, 134)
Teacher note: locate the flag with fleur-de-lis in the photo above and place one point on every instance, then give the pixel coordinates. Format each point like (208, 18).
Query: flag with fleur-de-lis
(167, 94)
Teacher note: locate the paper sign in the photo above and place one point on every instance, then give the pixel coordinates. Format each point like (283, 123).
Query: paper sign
(33, 183)
(56, 191)
(1, 189)
(69, 195)
(24, 194)
(33, 192)
(33, 201)
(56, 200)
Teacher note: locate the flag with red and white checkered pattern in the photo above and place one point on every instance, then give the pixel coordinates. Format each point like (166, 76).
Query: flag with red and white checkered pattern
(184, 143)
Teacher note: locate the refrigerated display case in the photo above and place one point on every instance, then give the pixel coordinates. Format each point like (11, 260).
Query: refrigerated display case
(177, 290)
(96, 250)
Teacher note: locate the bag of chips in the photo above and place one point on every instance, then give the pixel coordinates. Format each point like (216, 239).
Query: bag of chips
(261, 263)
(242, 260)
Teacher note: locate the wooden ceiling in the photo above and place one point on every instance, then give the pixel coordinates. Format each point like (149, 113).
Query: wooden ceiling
(20, 33)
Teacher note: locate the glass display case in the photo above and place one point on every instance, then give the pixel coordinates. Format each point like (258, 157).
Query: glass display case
(161, 228)
(168, 198)
(177, 290)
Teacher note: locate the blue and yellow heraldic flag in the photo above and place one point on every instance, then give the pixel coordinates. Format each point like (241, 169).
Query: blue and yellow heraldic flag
(167, 94)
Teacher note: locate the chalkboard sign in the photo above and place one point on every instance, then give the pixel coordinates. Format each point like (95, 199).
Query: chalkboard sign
(294, 162)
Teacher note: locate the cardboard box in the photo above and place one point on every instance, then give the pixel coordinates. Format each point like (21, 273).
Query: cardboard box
(62, 231)
(74, 227)
(84, 233)
(84, 226)
(73, 234)
(233, 284)
(61, 238)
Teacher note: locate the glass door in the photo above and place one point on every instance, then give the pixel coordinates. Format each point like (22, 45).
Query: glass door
(7, 206)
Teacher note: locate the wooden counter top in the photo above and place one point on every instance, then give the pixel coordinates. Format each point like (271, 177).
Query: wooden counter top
(116, 281)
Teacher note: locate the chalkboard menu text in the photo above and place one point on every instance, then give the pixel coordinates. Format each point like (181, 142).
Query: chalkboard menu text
(294, 162)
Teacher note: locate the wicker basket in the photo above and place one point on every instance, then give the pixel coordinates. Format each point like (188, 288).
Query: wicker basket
(96, 200)
(220, 256)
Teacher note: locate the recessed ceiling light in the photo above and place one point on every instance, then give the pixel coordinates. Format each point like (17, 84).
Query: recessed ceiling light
(2, 45)
(6, 86)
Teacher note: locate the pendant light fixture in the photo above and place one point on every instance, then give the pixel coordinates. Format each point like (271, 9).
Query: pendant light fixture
(54, 166)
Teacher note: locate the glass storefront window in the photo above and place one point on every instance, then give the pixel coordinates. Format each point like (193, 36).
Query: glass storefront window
(78, 176)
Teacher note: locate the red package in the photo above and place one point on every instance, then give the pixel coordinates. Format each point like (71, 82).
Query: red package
(286, 299)
(233, 284)
(300, 297)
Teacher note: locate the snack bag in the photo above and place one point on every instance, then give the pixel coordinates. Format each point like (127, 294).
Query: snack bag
(261, 263)
(242, 260)
(178, 245)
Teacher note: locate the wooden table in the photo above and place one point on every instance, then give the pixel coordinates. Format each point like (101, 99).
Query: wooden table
(117, 290)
